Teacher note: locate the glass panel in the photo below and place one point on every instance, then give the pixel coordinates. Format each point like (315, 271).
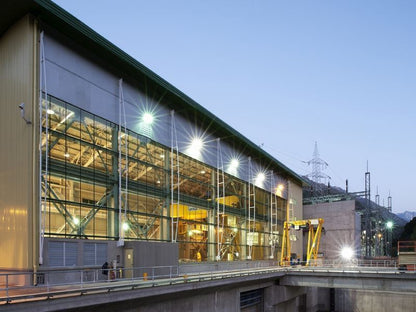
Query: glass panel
(83, 185)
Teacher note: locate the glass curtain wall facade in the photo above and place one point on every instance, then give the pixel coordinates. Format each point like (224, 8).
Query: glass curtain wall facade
(81, 184)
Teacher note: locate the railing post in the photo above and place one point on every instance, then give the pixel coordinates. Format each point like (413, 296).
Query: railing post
(47, 282)
(82, 278)
(7, 288)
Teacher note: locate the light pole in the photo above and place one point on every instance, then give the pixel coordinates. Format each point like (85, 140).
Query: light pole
(389, 226)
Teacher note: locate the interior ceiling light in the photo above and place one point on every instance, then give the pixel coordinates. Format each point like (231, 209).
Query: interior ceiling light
(50, 111)
(76, 220)
(125, 226)
(148, 118)
(66, 155)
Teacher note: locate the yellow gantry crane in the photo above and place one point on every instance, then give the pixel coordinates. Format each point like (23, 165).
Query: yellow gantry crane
(314, 237)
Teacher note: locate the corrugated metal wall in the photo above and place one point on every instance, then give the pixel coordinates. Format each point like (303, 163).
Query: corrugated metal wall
(16, 145)
(76, 79)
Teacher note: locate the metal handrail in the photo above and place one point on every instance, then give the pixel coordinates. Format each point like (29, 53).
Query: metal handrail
(15, 286)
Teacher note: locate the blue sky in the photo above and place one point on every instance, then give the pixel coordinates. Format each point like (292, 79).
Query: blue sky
(289, 73)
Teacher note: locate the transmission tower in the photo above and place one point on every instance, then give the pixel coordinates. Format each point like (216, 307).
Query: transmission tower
(377, 198)
(318, 165)
(389, 203)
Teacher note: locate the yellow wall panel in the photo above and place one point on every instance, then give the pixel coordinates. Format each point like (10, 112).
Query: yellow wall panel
(16, 145)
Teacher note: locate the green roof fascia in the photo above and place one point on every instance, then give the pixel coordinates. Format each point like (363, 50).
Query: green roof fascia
(51, 13)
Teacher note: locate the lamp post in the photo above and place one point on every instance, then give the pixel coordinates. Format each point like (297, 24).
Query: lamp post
(389, 226)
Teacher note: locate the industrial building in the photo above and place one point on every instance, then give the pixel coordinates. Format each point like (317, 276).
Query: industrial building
(103, 160)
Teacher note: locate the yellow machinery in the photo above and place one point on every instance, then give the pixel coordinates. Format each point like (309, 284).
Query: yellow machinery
(314, 237)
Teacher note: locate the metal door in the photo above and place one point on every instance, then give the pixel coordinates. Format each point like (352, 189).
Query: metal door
(128, 263)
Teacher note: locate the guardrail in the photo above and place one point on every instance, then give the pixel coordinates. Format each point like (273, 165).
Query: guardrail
(379, 263)
(18, 287)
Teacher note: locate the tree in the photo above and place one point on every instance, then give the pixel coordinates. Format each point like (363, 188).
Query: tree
(409, 231)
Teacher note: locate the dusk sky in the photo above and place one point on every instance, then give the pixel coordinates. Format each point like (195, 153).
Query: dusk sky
(288, 73)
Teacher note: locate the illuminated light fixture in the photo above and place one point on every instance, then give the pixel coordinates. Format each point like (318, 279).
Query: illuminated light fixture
(162, 156)
(389, 224)
(234, 163)
(202, 171)
(233, 166)
(50, 111)
(125, 226)
(279, 190)
(347, 253)
(147, 118)
(158, 181)
(260, 179)
(196, 144)
(235, 230)
(195, 148)
(76, 220)
(66, 155)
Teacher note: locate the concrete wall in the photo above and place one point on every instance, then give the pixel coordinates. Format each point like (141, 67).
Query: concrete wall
(317, 299)
(221, 299)
(356, 300)
(342, 226)
(18, 213)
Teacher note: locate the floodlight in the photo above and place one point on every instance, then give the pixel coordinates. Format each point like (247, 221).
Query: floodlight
(233, 166)
(260, 179)
(234, 163)
(195, 148)
(347, 253)
(196, 144)
(148, 118)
